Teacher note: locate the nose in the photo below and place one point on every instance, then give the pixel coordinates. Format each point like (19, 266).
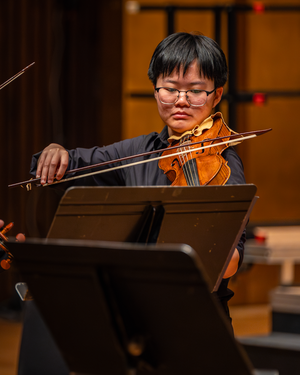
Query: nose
(182, 99)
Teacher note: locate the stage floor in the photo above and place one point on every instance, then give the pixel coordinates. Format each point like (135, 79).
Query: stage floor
(247, 320)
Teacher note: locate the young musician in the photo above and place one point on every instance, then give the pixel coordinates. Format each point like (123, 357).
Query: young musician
(188, 73)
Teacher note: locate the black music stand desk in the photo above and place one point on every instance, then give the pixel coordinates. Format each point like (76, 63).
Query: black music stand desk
(129, 309)
(210, 219)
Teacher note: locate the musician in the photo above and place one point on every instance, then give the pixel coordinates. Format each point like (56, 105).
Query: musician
(188, 73)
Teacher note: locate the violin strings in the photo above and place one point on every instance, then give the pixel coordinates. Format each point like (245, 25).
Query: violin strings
(189, 165)
(188, 172)
(193, 171)
(184, 159)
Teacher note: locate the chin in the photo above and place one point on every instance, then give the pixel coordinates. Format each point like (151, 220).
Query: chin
(179, 129)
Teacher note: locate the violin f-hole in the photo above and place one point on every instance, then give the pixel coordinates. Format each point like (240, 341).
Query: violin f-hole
(201, 151)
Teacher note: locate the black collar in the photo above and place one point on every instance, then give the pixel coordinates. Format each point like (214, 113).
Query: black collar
(161, 140)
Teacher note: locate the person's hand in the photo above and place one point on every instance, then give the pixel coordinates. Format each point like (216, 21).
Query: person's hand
(52, 163)
(233, 265)
(19, 237)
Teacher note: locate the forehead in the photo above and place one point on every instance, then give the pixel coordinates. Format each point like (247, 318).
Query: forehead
(191, 75)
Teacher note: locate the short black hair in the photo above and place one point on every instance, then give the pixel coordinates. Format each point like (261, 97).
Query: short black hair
(181, 49)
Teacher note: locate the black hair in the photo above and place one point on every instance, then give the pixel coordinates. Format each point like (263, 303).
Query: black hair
(181, 49)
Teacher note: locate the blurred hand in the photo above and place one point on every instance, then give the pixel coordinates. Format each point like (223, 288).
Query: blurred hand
(19, 237)
(233, 265)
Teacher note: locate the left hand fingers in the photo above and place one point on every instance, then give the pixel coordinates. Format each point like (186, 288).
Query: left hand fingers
(20, 237)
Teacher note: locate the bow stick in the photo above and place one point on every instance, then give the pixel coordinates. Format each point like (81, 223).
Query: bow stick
(233, 138)
(15, 76)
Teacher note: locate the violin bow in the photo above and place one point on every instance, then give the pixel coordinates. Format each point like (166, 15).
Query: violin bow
(15, 76)
(233, 138)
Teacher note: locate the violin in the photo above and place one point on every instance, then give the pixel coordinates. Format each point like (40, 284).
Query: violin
(6, 263)
(199, 167)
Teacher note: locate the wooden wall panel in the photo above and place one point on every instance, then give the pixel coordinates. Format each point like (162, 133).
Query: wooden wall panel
(136, 109)
(271, 64)
(142, 33)
(272, 161)
(268, 57)
(189, 21)
(273, 54)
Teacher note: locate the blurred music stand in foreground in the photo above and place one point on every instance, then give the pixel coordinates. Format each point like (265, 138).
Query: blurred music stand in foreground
(129, 309)
(209, 218)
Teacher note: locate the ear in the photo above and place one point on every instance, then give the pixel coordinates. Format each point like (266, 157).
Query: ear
(218, 96)
(155, 92)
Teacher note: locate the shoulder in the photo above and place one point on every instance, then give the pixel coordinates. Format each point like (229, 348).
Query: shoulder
(231, 155)
(142, 143)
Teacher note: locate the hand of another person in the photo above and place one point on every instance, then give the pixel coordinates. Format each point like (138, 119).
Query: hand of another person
(19, 237)
(52, 163)
(233, 265)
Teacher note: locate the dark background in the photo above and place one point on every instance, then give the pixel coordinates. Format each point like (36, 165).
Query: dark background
(72, 95)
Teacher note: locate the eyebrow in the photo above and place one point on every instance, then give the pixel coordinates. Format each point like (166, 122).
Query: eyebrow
(190, 83)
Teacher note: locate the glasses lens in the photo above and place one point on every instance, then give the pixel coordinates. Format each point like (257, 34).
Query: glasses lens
(167, 95)
(197, 97)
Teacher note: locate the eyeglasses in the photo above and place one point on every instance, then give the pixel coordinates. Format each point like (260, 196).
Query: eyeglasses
(169, 95)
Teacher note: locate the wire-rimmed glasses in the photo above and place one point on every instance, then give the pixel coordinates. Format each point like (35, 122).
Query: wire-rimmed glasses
(170, 95)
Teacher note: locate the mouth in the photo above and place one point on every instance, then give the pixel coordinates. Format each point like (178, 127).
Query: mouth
(180, 115)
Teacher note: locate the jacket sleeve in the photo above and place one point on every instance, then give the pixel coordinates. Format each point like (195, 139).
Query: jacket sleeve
(81, 157)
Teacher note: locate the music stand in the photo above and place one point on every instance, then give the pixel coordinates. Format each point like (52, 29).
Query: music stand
(210, 219)
(129, 309)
